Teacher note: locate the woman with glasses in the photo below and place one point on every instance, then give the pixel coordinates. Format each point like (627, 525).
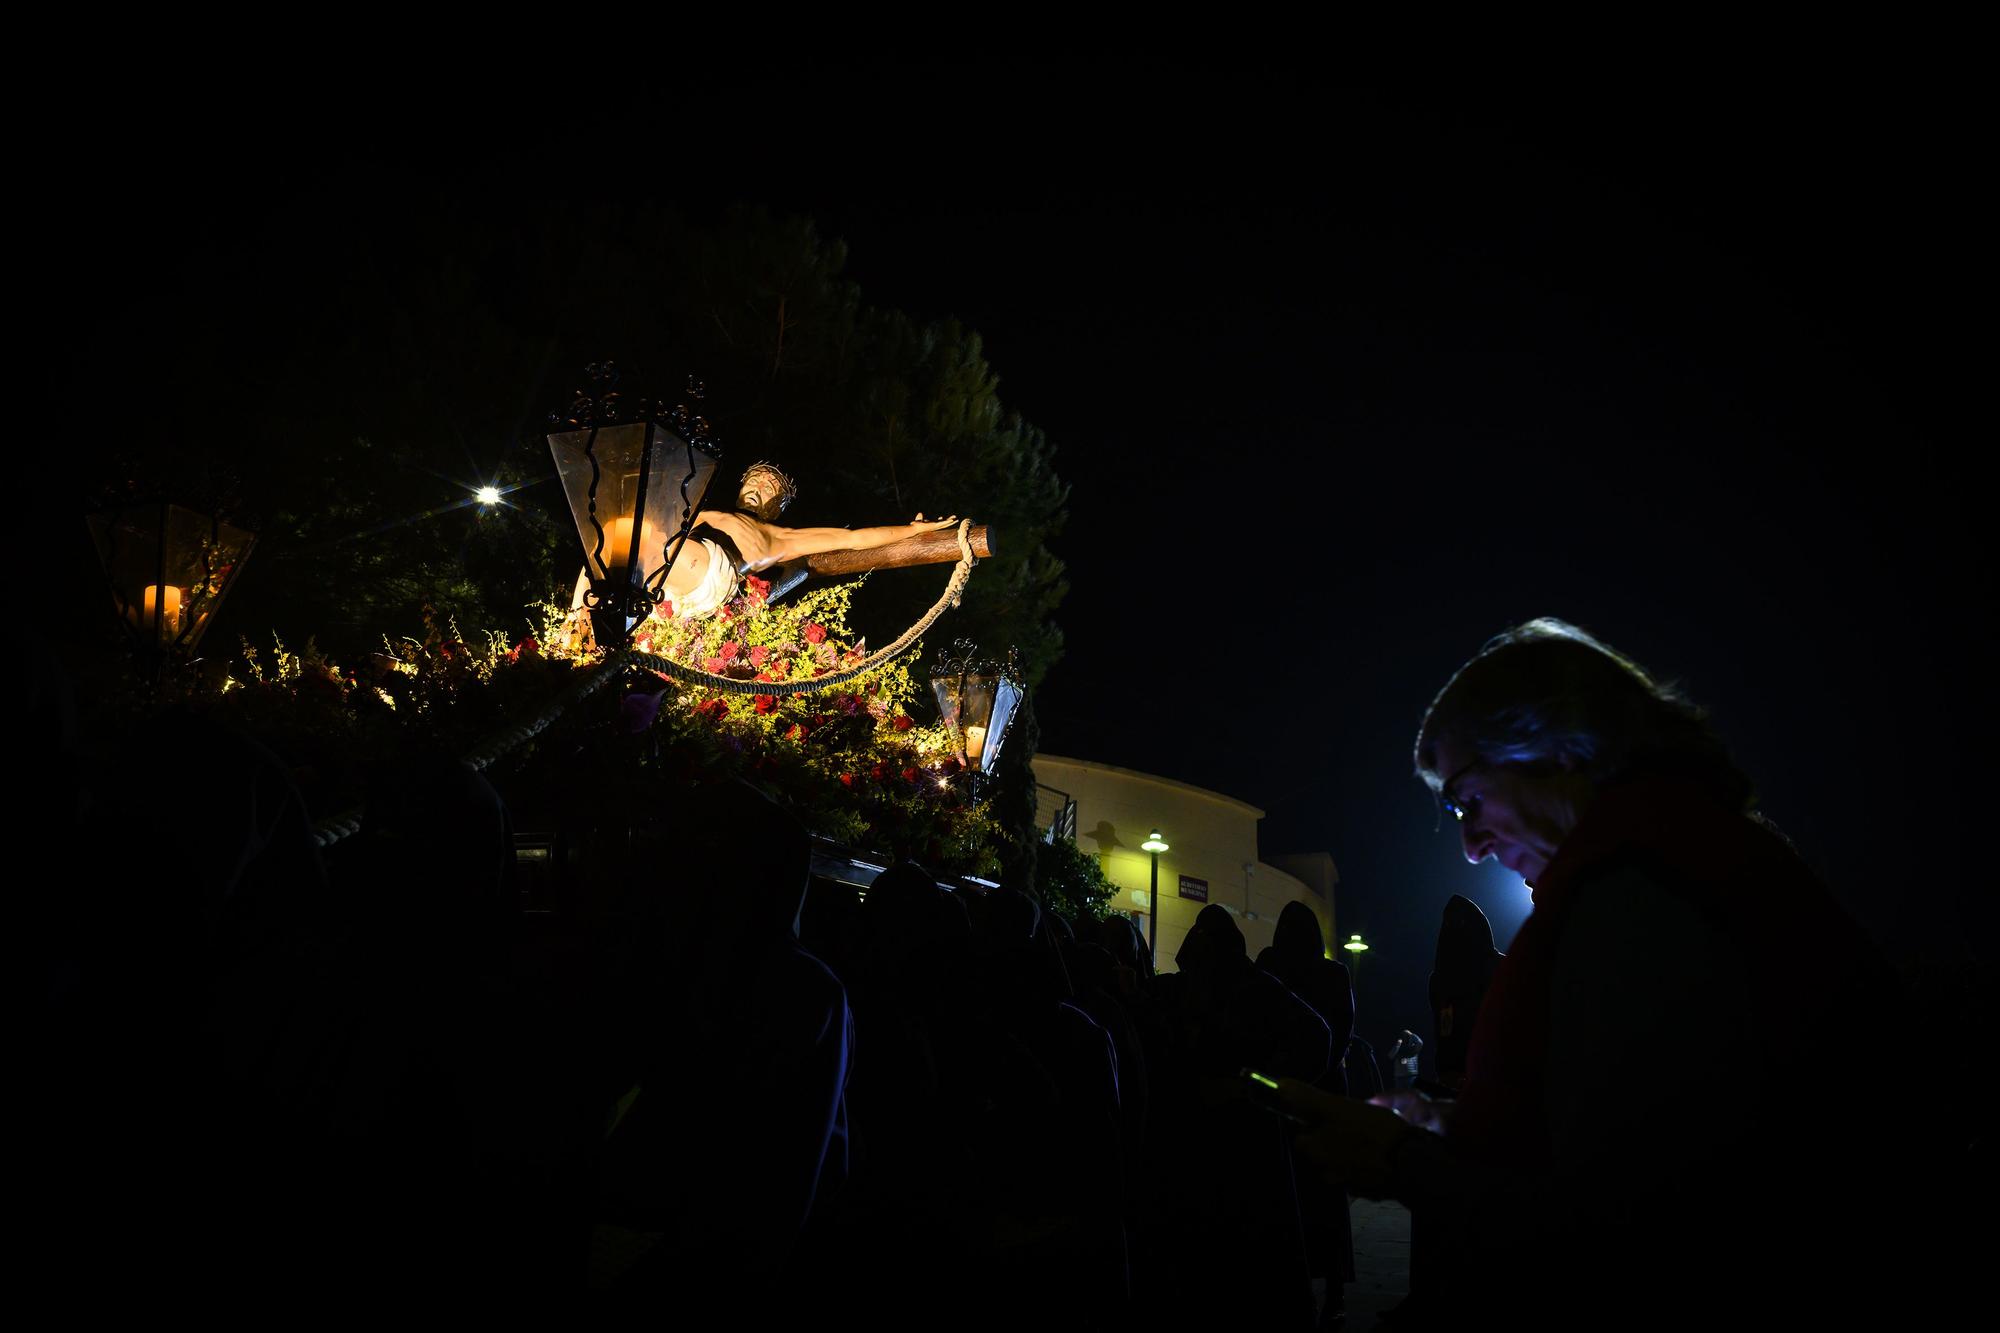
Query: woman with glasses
(1633, 1134)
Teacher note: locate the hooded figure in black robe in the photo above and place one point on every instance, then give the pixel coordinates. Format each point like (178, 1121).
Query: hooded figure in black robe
(1297, 957)
(732, 1131)
(1049, 1179)
(1459, 977)
(1233, 1180)
(435, 1170)
(192, 943)
(896, 1247)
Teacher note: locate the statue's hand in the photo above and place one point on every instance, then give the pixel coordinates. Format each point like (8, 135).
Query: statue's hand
(935, 524)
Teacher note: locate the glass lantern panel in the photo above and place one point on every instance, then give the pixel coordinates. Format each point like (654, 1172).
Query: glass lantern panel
(169, 569)
(1006, 701)
(965, 704)
(681, 474)
(631, 457)
(945, 689)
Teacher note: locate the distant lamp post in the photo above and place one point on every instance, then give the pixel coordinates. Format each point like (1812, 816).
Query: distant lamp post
(169, 569)
(978, 701)
(635, 471)
(1155, 845)
(1355, 947)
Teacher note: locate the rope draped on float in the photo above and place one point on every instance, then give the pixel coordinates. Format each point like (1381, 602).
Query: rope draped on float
(328, 831)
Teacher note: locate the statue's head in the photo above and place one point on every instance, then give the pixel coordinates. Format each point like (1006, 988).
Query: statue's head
(765, 492)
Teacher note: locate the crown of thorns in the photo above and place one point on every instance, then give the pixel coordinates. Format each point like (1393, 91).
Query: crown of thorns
(783, 490)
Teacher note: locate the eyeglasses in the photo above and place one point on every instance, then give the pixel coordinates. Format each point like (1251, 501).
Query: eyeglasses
(1452, 805)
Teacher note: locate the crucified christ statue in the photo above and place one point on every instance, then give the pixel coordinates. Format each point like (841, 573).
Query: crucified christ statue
(705, 573)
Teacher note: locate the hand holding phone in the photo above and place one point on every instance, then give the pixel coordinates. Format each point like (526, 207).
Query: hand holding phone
(1263, 1091)
(1352, 1143)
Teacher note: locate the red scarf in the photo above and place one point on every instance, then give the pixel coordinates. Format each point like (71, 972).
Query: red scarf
(1805, 953)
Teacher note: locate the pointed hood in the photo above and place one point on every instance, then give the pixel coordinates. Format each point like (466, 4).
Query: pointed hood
(1298, 935)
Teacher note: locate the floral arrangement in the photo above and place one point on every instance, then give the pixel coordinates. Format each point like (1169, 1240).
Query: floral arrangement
(854, 762)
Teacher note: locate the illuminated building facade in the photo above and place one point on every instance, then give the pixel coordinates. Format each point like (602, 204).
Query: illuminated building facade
(1212, 854)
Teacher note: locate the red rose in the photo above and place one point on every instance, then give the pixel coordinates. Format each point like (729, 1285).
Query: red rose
(758, 654)
(904, 722)
(847, 779)
(880, 772)
(324, 684)
(911, 774)
(797, 733)
(713, 665)
(767, 703)
(761, 588)
(815, 632)
(730, 649)
(666, 610)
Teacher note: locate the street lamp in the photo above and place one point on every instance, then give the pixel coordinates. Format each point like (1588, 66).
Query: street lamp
(977, 700)
(635, 471)
(1155, 845)
(1356, 947)
(169, 569)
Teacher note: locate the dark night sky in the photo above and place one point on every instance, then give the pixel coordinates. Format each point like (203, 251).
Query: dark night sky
(1347, 378)
(1350, 381)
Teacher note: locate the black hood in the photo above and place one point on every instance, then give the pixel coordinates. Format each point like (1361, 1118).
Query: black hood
(1298, 935)
(1215, 942)
(1465, 937)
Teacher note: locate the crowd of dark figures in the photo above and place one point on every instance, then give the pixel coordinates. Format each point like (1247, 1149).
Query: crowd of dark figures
(270, 1077)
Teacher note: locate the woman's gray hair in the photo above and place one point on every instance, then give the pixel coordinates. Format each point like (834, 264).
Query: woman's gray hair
(1548, 693)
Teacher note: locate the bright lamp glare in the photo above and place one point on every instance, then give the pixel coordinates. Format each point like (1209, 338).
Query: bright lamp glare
(489, 495)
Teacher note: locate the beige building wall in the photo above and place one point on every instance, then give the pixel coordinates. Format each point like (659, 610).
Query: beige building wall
(1212, 838)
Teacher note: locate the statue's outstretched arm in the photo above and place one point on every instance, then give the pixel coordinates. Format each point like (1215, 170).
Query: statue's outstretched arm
(815, 541)
(763, 545)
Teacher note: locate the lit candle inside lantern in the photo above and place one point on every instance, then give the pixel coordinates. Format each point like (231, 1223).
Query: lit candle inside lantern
(172, 610)
(617, 543)
(975, 743)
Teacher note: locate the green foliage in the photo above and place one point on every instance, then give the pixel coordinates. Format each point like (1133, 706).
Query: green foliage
(1069, 880)
(382, 361)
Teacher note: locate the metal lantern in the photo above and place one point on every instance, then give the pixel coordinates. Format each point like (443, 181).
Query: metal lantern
(977, 699)
(635, 471)
(169, 568)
